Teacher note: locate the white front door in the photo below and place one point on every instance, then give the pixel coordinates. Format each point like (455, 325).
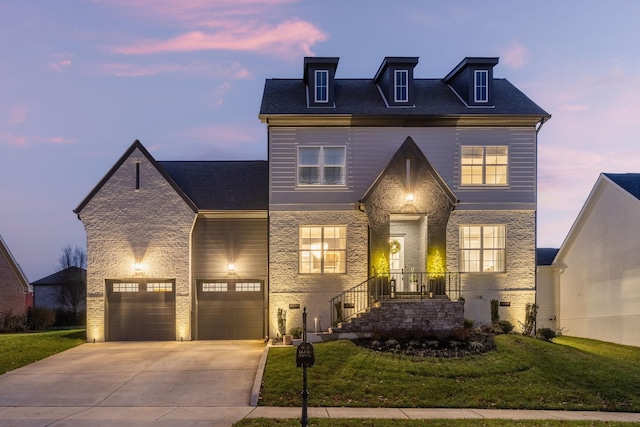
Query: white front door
(396, 260)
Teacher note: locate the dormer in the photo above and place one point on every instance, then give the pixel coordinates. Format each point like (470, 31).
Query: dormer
(472, 81)
(395, 80)
(319, 78)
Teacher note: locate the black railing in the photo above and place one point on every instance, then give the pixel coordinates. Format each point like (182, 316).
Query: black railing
(403, 285)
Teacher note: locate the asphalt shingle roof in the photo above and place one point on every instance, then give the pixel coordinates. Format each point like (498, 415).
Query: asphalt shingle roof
(222, 185)
(361, 97)
(61, 277)
(630, 182)
(545, 256)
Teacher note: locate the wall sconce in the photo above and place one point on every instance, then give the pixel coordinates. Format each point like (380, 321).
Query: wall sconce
(231, 267)
(138, 269)
(409, 197)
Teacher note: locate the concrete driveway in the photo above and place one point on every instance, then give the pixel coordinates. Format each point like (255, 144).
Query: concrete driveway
(198, 383)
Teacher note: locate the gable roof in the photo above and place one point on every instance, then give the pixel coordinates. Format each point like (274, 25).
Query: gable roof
(410, 145)
(630, 182)
(361, 97)
(137, 145)
(545, 256)
(61, 277)
(222, 185)
(15, 267)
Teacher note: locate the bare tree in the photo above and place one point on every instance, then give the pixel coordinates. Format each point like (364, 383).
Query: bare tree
(73, 289)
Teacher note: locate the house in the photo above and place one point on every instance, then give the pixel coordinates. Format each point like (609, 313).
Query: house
(596, 272)
(48, 293)
(547, 297)
(16, 295)
(386, 187)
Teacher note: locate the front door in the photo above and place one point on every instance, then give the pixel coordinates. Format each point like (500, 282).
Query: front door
(396, 261)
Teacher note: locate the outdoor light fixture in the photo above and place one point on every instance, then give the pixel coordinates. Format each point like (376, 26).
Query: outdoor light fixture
(231, 267)
(409, 197)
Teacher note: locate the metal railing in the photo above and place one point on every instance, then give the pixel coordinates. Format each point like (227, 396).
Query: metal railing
(403, 285)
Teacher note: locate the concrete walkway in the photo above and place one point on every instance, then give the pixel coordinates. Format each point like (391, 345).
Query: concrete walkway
(191, 384)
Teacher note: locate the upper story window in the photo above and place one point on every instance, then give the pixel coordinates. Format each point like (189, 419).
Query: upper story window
(482, 248)
(401, 85)
(484, 165)
(481, 86)
(322, 86)
(323, 249)
(321, 165)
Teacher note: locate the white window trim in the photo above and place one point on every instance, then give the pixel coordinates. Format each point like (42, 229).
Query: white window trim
(322, 259)
(484, 167)
(477, 85)
(317, 86)
(321, 166)
(482, 249)
(396, 85)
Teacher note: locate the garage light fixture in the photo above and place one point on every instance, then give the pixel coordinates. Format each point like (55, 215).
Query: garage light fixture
(409, 197)
(138, 269)
(231, 267)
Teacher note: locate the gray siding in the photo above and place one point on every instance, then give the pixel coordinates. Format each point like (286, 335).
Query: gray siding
(219, 241)
(370, 149)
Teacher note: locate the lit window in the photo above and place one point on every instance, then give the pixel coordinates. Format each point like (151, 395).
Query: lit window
(214, 287)
(321, 165)
(323, 249)
(401, 85)
(481, 89)
(482, 248)
(322, 86)
(160, 287)
(248, 287)
(125, 287)
(482, 165)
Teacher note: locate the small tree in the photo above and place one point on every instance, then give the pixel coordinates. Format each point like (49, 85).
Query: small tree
(73, 290)
(495, 315)
(282, 322)
(530, 319)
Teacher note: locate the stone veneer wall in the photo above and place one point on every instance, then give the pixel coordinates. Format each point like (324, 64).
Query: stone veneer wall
(151, 225)
(314, 291)
(517, 285)
(426, 315)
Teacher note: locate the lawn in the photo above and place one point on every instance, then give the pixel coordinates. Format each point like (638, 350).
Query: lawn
(524, 373)
(336, 422)
(17, 350)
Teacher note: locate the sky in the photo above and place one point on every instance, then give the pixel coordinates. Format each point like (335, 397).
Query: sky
(81, 80)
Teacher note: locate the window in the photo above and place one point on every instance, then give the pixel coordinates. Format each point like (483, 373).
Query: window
(401, 86)
(482, 248)
(321, 165)
(482, 165)
(160, 287)
(214, 287)
(248, 287)
(125, 287)
(323, 249)
(322, 86)
(481, 86)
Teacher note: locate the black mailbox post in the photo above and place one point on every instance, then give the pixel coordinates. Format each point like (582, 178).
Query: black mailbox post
(305, 358)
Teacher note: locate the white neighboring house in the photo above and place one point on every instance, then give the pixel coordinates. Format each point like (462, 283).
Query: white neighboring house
(596, 273)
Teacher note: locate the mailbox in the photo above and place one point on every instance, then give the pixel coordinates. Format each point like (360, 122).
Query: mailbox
(305, 356)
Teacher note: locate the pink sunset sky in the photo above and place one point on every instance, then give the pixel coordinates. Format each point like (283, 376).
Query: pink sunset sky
(81, 80)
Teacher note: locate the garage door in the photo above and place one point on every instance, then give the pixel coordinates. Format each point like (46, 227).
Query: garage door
(141, 310)
(230, 309)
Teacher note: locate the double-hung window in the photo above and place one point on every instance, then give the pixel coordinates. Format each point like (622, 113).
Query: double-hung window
(482, 248)
(481, 86)
(322, 86)
(321, 165)
(484, 165)
(323, 249)
(401, 86)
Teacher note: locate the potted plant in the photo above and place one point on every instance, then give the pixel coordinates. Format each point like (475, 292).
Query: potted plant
(282, 327)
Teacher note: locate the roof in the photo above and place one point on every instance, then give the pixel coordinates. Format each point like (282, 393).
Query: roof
(545, 256)
(222, 185)
(630, 182)
(61, 277)
(361, 97)
(15, 267)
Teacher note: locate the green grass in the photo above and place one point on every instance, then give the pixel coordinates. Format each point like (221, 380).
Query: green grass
(17, 350)
(524, 373)
(339, 422)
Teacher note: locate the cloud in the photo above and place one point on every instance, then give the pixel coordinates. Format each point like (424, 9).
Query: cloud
(291, 37)
(53, 140)
(60, 62)
(515, 56)
(232, 70)
(25, 140)
(216, 96)
(12, 139)
(17, 114)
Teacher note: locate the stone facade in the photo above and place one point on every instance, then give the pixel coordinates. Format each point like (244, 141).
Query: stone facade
(151, 226)
(515, 287)
(288, 287)
(425, 316)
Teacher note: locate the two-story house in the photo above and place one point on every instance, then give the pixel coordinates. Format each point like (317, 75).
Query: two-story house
(389, 186)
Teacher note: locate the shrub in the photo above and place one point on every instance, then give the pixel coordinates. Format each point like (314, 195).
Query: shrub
(546, 334)
(39, 318)
(502, 327)
(530, 319)
(10, 322)
(495, 316)
(468, 323)
(296, 332)
(282, 321)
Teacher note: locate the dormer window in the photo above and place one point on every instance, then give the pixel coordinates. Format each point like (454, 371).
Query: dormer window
(322, 86)
(481, 86)
(401, 86)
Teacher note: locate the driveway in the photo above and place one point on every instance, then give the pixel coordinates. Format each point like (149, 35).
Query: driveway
(197, 383)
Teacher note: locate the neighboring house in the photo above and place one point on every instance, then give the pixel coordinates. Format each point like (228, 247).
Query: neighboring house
(547, 298)
(413, 187)
(16, 295)
(47, 292)
(597, 269)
